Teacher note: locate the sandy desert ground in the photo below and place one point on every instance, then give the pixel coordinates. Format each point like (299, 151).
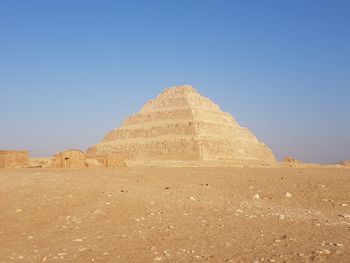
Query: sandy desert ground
(175, 215)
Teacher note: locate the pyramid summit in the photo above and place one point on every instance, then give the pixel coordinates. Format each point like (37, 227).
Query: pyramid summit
(180, 127)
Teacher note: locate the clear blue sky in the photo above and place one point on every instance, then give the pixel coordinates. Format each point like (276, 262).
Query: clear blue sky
(70, 71)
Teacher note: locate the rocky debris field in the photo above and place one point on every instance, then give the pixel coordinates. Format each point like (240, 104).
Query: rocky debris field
(175, 215)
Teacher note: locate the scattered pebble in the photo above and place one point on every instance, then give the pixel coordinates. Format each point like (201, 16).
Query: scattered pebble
(256, 197)
(325, 251)
(281, 217)
(98, 212)
(346, 216)
(338, 245)
(288, 195)
(192, 198)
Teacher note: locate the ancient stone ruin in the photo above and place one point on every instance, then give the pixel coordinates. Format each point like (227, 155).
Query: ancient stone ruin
(182, 128)
(69, 159)
(291, 162)
(105, 161)
(345, 163)
(78, 159)
(14, 159)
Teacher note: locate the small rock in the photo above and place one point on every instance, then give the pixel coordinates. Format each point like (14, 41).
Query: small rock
(157, 259)
(326, 251)
(256, 197)
(18, 210)
(78, 240)
(346, 216)
(98, 212)
(338, 245)
(192, 198)
(281, 217)
(288, 195)
(344, 204)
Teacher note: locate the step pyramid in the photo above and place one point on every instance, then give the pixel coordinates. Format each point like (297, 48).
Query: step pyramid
(180, 127)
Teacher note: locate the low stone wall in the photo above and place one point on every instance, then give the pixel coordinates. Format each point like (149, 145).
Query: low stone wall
(14, 159)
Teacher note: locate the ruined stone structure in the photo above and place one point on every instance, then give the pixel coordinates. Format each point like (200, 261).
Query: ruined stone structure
(69, 159)
(292, 162)
(40, 162)
(114, 161)
(105, 161)
(182, 128)
(345, 163)
(14, 159)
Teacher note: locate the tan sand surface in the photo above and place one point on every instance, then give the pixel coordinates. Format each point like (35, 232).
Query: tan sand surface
(175, 215)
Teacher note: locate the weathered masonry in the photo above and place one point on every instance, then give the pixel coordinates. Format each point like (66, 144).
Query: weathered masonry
(14, 159)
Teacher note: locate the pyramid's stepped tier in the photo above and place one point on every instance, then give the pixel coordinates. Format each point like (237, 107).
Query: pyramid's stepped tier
(182, 96)
(179, 114)
(181, 128)
(181, 125)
